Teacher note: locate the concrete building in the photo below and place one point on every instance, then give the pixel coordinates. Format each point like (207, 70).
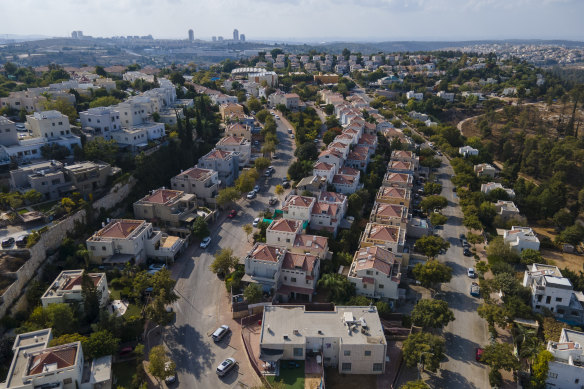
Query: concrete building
(172, 210)
(566, 370)
(466, 151)
(263, 266)
(204, 183)
(298, 207)
(290, 100)
(446, 96)
(413, 95)
(191, 35)
(521, 238)
(550, 290)
(324, 169)
(126, 240)
(332, 157)
(392, 238)
(225, 163)
(48, 124)
(237, 144)
(376, 273)
(8, 132)
(491, 186)
(100, 121)
(67, 288)
(299, 275)
(506, 209)
(36, 365)
(89, 177)
(398, 180)
(392, 195)
(282, 232)
(485, 170)
(239, 130)
(46, 177)
(346, 184)
(348, 338)
(390, 214)
(401, 167)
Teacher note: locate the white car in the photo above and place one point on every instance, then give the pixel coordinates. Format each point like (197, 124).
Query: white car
(226, 366)
(256, 221)
(251, 195)
(205, 242)
(471, 273)
(220, 333)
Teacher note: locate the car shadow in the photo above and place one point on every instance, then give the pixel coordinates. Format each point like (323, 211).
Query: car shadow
(224, 343)
(232, 376)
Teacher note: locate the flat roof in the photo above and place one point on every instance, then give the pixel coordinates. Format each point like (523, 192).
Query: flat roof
(280, 321)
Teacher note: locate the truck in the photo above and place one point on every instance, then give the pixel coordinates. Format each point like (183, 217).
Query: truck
(475, 290)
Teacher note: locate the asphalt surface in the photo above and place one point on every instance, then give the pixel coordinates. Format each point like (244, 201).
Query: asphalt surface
(468, 331)
(203, 295)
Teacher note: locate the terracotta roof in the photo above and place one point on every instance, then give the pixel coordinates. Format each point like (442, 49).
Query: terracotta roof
(402, 154)
(368, 139)
(324, 166)
(217, 154)
(231, 140)
(389, 210)
(398, 177)
(120, 228)
(331, 197)
(291, 96)
(311, 241)
(77, 280)
(347, 170)
(343, 179)
(264, 252)
(236, 127)
(162, 196)
(61, 356)
(330, 152)
(300, 201)
(356, 156)
(285, 225)
(390, 191)
(383, 232)
(294, 261)
(376, 258)
(324, 208)
(400, 165)
(198, 173)
(350, 131)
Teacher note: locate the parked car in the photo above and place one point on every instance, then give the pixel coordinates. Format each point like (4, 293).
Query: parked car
(8, 242)
(271, 168)
(232, 214)
(126, 351)
(171, 378)
(277, 117)
(471, 273)
(289, 131)
(275, 156)
(220, 333)
(256, 188)
(462, 237)
(268, 173)
(475, 290)
(467, 252)
(273, 201)
(286, 184)
(21, 241)
(251, 195)
(292, 136)
(256, 221)
(478, 354)
(155, 268)
(205, 242)
(226, 366)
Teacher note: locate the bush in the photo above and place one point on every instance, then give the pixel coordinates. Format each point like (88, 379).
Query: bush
(495, 378)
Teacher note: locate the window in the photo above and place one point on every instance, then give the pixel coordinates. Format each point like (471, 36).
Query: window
(558, 299)
(293, 279)
(347, 353)
(367, 353)
(61, 123)
(369, 272)
(380, 286)
(346, 367)
(70, 380)
(298, 351)
(93, 248)
(548, 299)
(552, 375)
(378, 367)
(539, 297)
(103, 248)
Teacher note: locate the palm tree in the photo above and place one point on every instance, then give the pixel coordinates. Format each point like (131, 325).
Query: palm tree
(337, 285)
(526, 341)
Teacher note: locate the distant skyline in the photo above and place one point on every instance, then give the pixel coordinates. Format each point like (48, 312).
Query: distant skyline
(301, 20)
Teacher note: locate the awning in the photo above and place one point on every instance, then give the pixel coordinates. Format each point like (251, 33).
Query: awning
(271, 355)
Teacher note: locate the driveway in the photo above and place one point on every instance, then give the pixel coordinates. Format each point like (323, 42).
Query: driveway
(204, 301)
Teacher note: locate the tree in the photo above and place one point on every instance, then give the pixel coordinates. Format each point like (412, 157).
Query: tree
(254, 104)
(300, 169)
(64, 106)
(437, 219)
(306, 152)
(493, 314)
(224, 261)
(279, 190)
(59, 317)
(475, 238)
(430, 313)
(539, 369)
(99, 70)
(268, 148)
(432, 272)
(68, 338)
(177, 78)
(158, 363)
(431, 245)
(432, 188)
(246, 180)
(338, 286)
(200, 228)
(227, 195)
(433, 202)
(425, 348)
(498, 250)
(156, 310)
(573, 235)
(531, 256)
(355, 205)
(419, 384)
(99, 149)
(104, 101)
(500, 356)
(91, 298)
(253, 293)
(101, 343)
(563, 218)
(482, 267)
(33, 196)
(55, 151)
(261, 163)
(248, 229)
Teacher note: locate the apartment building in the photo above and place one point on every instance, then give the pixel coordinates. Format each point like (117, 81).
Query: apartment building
(398, 180)
(324, 169)
(283, 232)
(48, 124)
(342, 148)
(89, 177)
(299, 275)
(225, 163)
(331, 156)
(390, 214)
(506, 209)
(358, 158)
(467, 151)
(127, 240)
(68, 288)
(237, 144)
(263, 266)
(350, 338)
(229, 111)
(566, 370)
(406, 157)
(8, 132)
(346, 184)
(134, 111)
(311, 244)
(101, 121)
(172, 210)
(376, 273)
(392, 238)
(290, 100)
(203, 183)
(551, 290)
(46, 177)
(35, 365)
(29, 100)
(401, 167)
(521, 238)
(239, 130)
(491, 186)
(392, 195)
(298, 207)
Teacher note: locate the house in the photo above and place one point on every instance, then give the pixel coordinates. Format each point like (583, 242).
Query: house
(398, 180)
(358, 158)
(67, 288)
(369, 141)
(36, 365)
(50, 125)
(298, 207)
(376, 273)
(8, 132)
(137, 137)
(299, 275)
(238, 130)
(225, 163)
(346, 184)
(126, 240)
(552, 291)
(239, 145)
(390, 214)
(485, 170)
(392, 238)
(446, 96)
(311, 244)
(331, 156)
(521, 238)
(392, 195)
(290, 100)
(228, 111)
(466, 151)
(282, 232)
(173, 210)
(263, 266)
(566, 370)
(312, 184)
(413, 95)
(401, 167)
(204, 183)
(326, 216)
(326, 170)
(506, 209)
(88, 178)
(46, 177)
(101, 121)
(348, 338)
(134, 111)
(491, 186)
(418, 227)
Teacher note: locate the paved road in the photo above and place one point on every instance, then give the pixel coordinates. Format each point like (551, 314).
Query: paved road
(203, 296)
(468, 331)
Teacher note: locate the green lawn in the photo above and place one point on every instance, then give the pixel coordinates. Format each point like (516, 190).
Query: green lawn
(293, 378)
(123, 372)
(45, 207)
(133, 309)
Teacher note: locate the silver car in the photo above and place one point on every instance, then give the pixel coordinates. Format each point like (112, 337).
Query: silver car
(220, 333)
(226, 366)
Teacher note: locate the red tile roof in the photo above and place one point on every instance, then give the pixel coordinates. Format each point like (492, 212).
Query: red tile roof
(324, 166)
(294, 261)
(376, 258)
(400, 165)
(61, 356)
(217, 154)
(331, 197)
(162, 196)
(383, 232)
(389, 191)
(389, 210)
(198, 173)
(300, 201)
(264, 252)
(285, 225)
(310, 241)
(343, 179)
(347, 170)
(398, 177)
(325, 209)
(231, 140)
(77, 280)
(120, 228)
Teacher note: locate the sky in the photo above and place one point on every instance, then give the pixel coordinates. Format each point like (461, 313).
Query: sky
(300, 20)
